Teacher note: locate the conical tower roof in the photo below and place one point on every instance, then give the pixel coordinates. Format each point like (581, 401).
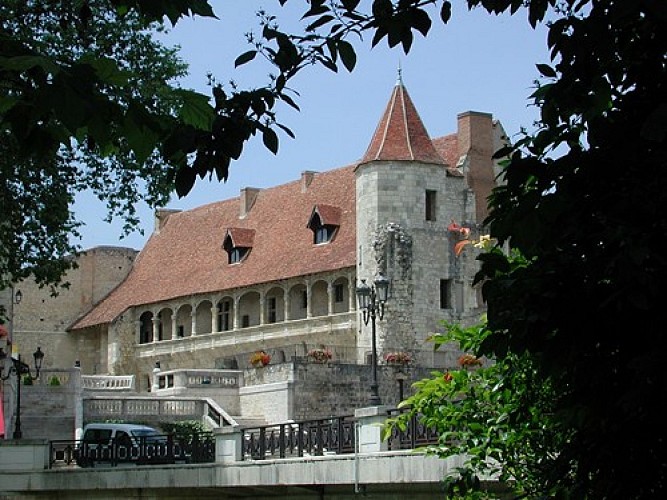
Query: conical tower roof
(401, 135)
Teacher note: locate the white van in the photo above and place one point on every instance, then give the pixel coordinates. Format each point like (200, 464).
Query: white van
(117, 443)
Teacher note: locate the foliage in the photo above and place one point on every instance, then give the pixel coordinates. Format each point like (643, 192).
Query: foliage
(500, 416)
(54, 381)
(184, 429)
(582, 204)
(67, 84)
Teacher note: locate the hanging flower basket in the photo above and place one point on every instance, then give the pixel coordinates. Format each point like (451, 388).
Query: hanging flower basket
(259, 359)
(320, 355)
(398, 358)
(469, 361)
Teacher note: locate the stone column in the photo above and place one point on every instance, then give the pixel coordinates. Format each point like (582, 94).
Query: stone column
(156, 328)
(331, 297)
(228, 444)
(262, 308)
(237, 312)
(214, 318)
(193, 318)
(371, 420)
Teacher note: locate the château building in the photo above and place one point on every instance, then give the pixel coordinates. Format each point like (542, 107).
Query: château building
(276, 269)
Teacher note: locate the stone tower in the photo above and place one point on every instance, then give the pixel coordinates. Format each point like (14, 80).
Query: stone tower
(407, 196)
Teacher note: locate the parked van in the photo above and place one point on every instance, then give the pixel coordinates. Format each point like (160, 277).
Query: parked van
(116, 443)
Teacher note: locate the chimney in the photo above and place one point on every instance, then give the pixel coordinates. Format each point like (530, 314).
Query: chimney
(248, 197)
(476, 139)
(306, 178)
(161, 216)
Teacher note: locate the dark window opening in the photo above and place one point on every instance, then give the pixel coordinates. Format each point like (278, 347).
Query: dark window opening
(181, 331)
(338, 292)
(224, 316)
(445, 294)
(272, 310)
(430, 204)
(245, 321)
(304, 300)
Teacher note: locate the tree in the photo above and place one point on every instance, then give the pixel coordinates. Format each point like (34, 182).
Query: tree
(42, 166)
(499, 414)
(582, 204)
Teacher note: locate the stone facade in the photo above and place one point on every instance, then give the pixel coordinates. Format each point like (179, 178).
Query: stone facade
(388, 214)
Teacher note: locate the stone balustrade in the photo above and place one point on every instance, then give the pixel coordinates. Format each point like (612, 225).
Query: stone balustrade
(108, 382)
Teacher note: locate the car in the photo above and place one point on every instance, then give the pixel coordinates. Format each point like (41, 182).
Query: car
(123, 443)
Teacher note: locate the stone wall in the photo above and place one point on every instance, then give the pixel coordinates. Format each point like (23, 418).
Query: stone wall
(42, 319)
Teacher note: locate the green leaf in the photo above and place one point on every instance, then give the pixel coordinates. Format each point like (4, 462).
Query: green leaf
(446, 12)
(546, 70)
(185, 180)
(270, 139)
(245, 58)
(195, 110)
(347, 54)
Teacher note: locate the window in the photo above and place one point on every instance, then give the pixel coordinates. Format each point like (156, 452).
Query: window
(430, 205)
(338, 292)
(304, 300)
(181, 331)
(245, 321)
(272, 309)
(236, 255)
(237, 243)
(445, 294)
(323, 234)
(324, 222)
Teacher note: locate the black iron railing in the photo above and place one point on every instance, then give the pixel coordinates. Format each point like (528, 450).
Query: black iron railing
(415, 435)
(164, 449)
(328, 436)
(334, 435)
(311, 437)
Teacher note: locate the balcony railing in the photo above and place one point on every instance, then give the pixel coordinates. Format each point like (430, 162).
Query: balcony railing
(331, 436)
(158, 450)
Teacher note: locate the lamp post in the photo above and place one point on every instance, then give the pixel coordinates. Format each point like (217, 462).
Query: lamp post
(371, 303)
(20, 368)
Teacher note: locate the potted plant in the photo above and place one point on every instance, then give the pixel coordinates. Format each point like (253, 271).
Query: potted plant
(259, 359)
(398, 358)
(320, 355)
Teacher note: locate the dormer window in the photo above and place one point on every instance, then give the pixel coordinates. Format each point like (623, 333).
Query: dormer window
(324, 223)
(238, 243)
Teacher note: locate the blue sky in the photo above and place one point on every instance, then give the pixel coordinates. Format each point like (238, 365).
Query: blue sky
(477, 62)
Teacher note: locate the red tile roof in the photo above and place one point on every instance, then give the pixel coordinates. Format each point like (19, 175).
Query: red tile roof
(328, 214)
(186, 257)
(401, 135)
(240, 237)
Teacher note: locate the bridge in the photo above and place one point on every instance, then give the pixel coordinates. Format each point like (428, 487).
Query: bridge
(248, 463)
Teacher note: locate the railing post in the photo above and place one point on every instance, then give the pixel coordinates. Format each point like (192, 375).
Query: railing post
(371, 421)
(228, 444)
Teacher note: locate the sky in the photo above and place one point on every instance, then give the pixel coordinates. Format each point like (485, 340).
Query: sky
(477, 62)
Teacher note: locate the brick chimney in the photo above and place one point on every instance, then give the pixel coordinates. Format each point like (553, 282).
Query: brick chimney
(248, 198)
(476, 143)
(161, 216)
(306, 178)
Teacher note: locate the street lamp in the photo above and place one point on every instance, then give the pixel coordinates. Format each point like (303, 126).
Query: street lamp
(371, 302)
(19, 368)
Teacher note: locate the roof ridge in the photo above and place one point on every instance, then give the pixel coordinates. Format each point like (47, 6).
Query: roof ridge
(400, 134)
